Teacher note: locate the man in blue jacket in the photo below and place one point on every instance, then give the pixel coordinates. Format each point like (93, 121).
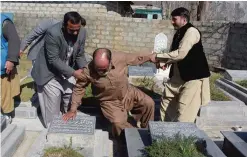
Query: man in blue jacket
(10, 83)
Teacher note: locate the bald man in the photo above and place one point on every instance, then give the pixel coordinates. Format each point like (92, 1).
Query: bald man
(107, 73)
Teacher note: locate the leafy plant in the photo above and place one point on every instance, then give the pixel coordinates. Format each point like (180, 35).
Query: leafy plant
(242, 83)
(176, 146)
(67, 151)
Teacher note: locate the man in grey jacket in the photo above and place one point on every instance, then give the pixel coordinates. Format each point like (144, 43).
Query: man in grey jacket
(55, 68)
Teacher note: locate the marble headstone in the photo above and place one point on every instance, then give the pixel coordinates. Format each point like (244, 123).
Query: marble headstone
(80, 125)
(80, 133)
(160, 43)
(158, 130)
(140, 71)
(235, 75)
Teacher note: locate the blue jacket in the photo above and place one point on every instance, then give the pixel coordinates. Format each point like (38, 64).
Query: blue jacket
(4, 45)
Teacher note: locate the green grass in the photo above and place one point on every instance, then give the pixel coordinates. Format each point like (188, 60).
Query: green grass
(147, 85)
(27, 86)
(242, 83)
(66, 151)
(176, 146)
(61, 152)
(216, 94)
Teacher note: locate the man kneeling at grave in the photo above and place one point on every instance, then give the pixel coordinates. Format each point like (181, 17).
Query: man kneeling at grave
(107, 73)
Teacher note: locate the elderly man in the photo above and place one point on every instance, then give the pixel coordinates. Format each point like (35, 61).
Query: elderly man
(188, 87)
(108, 76)
(58, 64)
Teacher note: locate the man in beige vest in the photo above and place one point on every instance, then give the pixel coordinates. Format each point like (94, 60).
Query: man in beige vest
(188, 86)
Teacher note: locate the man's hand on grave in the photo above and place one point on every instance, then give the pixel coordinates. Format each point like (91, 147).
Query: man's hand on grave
(69, 115)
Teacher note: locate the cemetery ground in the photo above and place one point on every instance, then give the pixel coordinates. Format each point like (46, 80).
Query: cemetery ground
(226, 112)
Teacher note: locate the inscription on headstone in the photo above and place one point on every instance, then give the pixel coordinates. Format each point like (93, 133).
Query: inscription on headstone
(80, 125)
(169, 129)
(140, 71)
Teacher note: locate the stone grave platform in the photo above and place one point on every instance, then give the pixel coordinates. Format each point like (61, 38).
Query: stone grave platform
(137, 139)
(235, 143)
(80, 133)
(11, 137)
(233, 88)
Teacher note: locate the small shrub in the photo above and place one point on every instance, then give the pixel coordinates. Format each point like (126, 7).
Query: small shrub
(177, 146)
(242, 83)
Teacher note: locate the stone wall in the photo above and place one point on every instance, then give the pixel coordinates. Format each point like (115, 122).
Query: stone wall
(235, 55)
(95, 8)
(137, 35)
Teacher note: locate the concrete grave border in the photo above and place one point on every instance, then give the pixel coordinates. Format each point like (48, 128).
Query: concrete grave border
(234, 145)
(233, 88)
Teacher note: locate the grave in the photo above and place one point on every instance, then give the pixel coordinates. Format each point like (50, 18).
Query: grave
(235, 75)
(137, 139)
(80, 133)
(235, 143)
(80, 130)
(233, 88)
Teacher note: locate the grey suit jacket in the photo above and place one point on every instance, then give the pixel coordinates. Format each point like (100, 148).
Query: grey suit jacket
(36, 38)
(51, 60)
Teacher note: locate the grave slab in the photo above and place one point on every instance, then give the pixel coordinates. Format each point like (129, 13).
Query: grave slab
(37, 147)
(140, 71)
(221, 122)
(235, 144)
(12, 137)
(231, 90)
(3, 123)
(159, 130)
(224, 109)
(80, 131)
(235, 75)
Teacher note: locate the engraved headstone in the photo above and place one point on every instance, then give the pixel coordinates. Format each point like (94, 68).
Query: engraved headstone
(140, 71)
(80, 125)
(158, 130)
(235, 75)
(80, 133)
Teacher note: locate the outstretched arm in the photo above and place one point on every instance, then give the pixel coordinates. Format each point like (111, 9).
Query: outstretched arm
(191, 37)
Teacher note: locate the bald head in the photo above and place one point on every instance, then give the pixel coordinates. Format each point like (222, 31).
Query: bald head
(102, 60)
